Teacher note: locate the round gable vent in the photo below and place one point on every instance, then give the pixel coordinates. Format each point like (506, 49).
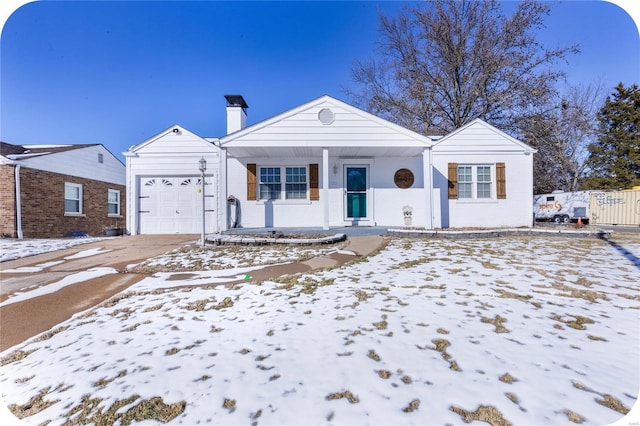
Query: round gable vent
(326, 116)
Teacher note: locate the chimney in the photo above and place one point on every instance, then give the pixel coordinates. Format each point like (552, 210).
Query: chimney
(236, 113)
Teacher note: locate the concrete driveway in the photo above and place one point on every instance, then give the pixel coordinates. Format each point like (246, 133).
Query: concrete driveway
(21, 320)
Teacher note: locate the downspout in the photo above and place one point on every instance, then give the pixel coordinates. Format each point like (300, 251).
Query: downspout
(18, 203)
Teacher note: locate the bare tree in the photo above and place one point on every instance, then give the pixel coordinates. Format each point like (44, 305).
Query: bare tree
(443, 63)
(562, 133)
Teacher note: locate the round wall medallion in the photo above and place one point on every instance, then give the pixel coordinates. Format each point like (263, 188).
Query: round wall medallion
(403, 178)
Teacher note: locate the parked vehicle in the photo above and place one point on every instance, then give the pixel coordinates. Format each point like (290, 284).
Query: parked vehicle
(562, 207)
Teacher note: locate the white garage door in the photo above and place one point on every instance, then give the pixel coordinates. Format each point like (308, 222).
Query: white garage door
(173, 205)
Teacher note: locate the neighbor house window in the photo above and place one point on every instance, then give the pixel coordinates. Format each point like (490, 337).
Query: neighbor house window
(474, 181)
(271, 184)
(113, 202)
(72, 198)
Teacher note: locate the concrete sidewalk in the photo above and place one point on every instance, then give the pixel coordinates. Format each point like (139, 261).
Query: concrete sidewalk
(20, 321)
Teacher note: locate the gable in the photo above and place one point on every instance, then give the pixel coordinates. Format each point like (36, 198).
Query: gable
(479, 136)
(325, 122)
(85, 161)
(174, 140)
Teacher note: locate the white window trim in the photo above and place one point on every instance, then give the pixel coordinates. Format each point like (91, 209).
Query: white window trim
(118, 213)
(283, 185)
(474, 183)
(80, 206)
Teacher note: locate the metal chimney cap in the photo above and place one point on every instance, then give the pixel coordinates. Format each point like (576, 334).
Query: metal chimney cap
(236, 100)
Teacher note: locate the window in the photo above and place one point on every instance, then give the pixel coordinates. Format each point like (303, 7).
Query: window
(270, 186)
(465, 182)
(474, 182)
(72, 198)
(100, 158)
(484, 182)
(295, 183)
(113, 202)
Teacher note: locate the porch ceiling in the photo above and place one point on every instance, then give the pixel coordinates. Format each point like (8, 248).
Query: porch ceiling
(346, 152)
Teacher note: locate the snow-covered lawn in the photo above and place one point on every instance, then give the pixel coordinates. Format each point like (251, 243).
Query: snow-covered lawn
(11, 249)
(210, 258)
(506, 330)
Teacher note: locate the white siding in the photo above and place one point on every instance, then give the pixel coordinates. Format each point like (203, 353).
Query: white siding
(81, 162)
(276, 213)
(353, 137)
(172, 155)
(385, 200)
(478, 137)
(303, 128)
(515, 210)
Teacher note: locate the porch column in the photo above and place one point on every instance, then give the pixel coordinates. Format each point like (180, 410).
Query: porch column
(427, 171)
(222, 219)
(325, 187)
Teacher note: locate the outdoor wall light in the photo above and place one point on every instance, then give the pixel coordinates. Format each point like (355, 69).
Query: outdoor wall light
(335, 169)
(176, 131)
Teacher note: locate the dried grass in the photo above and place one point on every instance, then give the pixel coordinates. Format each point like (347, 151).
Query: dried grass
(413, 406)
(577, 293)
(574, 417)
(15, 356)
(346, 394)
(507, 378)
(596, 338)
(512, 397)
(88, 411)
(497, 323)
(35, 404)
(49, 334)
(384, 374)
(577, 323)
(484, 413)
(509, 295)
(229, 404)
(613, 403)
(153, 409)
(381, 325)
(104, 381)
(374, 356)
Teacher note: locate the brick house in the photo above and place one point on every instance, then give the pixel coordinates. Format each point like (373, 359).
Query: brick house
(56, 190)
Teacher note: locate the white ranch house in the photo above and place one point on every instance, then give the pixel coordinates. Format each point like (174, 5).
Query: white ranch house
(327, 164)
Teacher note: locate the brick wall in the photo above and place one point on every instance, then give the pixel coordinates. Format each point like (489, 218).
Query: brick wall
(43, 213)
(7, 201)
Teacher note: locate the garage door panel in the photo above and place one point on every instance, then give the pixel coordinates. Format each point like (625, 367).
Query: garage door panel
(173, 204)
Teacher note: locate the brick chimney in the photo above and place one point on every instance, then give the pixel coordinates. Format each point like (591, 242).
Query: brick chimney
(236, 113)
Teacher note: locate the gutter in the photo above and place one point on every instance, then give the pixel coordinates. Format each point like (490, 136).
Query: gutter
(18, 203)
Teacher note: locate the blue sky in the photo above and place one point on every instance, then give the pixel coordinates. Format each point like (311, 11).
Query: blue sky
(117, 73)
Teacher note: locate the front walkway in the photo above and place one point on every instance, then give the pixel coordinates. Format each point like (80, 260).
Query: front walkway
(349, 231)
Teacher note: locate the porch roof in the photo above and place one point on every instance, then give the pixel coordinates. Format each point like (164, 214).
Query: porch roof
(315, 151)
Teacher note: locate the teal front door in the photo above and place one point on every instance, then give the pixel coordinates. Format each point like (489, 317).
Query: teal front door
(355, 192)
